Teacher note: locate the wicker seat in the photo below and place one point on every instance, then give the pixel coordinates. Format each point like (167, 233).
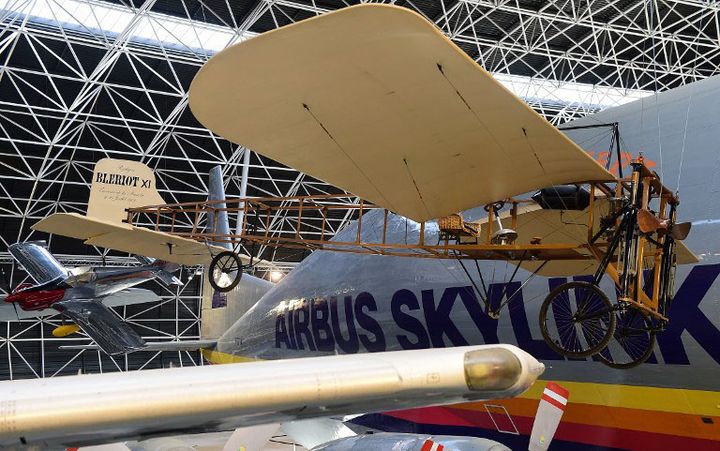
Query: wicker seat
(455, 225)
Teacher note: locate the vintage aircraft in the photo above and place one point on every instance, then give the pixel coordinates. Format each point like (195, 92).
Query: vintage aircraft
(426, 133)
(84, 294)
(80, 294)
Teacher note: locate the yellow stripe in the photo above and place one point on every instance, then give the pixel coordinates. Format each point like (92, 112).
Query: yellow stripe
(220, 358)
(676, 400)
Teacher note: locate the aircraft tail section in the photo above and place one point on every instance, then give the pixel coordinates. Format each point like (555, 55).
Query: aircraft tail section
(120, 184)
(218, 222)
(221, 310)
(37, 260)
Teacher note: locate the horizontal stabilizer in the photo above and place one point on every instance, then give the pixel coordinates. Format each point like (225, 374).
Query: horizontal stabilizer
(186, 345)
(112, 335)
(135, 240)
(127, 238)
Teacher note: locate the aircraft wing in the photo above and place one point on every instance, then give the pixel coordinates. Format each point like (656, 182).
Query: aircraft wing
(82, 410)
(377, 101)
(112, 335)
(39, 263)
(127, 238)
(155, 346)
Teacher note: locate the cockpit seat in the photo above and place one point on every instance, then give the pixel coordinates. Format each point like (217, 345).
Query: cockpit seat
(456, 226)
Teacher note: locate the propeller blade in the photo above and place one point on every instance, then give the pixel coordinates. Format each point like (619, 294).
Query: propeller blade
(550, 411)
(681, 230)
(648, 222)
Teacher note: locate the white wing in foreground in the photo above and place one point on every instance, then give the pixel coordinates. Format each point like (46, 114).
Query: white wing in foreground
(88, 409)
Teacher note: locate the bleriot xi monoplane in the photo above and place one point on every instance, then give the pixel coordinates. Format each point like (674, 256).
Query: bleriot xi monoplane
(416, 128)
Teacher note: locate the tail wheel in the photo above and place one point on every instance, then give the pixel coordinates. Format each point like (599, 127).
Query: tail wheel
(577, 319)
(633, 340)
(225, 271)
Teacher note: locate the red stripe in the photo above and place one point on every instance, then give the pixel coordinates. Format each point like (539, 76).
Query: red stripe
(440, 447)
(559, 389)
(571, 432)
(552, 401)
(427, 446)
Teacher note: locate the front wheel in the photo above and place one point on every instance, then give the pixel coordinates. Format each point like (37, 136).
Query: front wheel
(577, 319)
(225, 271)
(633, 341)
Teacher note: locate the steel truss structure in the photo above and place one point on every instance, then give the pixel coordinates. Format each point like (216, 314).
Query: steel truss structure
(81, 80)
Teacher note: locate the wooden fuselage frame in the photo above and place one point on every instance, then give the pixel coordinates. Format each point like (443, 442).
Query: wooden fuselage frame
(312, 218)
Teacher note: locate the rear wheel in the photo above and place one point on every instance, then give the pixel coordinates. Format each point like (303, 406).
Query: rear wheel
(577, 319)
(633, 340)
(225, 271)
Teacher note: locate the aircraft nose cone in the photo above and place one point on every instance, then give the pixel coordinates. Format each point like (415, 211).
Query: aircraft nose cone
(536, 370)
(501, 368)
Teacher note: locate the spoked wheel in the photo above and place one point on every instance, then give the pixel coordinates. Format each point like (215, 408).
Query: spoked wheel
(632, 342)
(225, 271)
(577, 319)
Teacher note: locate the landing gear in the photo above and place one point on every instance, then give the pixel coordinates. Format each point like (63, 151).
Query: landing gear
(577, 319)
(633, 341)
(225, 271)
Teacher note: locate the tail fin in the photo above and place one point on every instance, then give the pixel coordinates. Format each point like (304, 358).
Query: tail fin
(38, 261)
(165, 269)
(121, 184)
(221, 310)
(168, 278)
(218, 223)
(550, 411)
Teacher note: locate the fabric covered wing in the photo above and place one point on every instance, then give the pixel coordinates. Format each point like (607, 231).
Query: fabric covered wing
(38, 261)
(135, 240)
(375, 100)
(126, 238)
(111, 334)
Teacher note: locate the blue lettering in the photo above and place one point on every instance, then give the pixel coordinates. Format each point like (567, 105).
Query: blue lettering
(301, 325)
(686, 315)
(320, 317)
(351, 344)
(407, 322)
(367, 322)
(281, 335)
(438, 318)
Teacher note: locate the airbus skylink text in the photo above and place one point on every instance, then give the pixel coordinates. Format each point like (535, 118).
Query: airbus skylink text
(433, 319)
